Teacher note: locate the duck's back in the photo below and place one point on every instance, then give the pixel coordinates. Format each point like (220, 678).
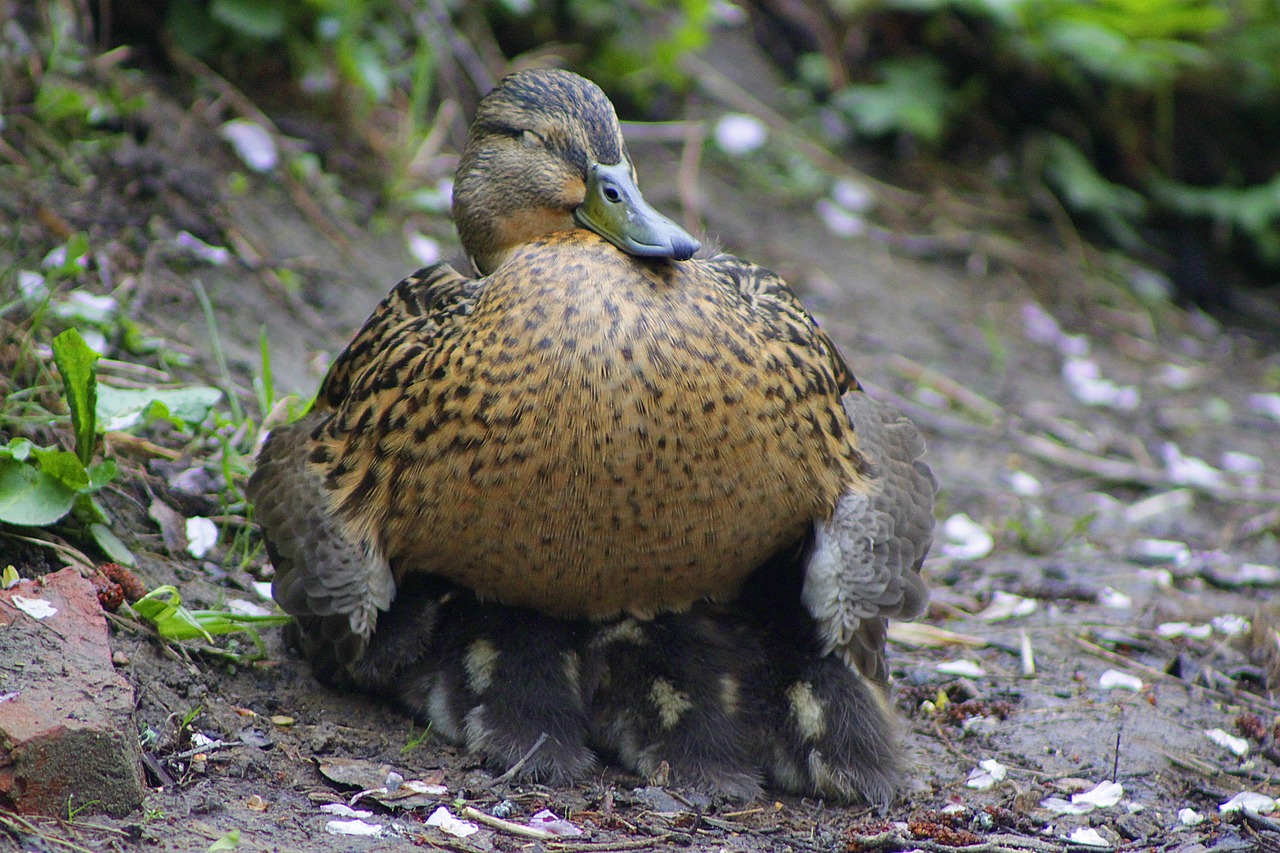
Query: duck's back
(596, 433)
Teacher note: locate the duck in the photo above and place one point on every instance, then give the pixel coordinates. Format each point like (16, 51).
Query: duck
(607, 496)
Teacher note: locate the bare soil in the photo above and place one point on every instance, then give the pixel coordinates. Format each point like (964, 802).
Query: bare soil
(945, 336)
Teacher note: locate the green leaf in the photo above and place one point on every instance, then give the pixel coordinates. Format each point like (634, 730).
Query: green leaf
(18, 448)
(163, 608)
(76, 364)
(258, 19)
(913, 99)
(111, 545)
(9, 578)
(64, 466)
(125, 408)
(101, 474)
(230, 841)
(30, 497)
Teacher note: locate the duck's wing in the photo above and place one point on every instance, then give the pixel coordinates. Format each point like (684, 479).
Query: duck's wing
(329, 571)
(864, 565)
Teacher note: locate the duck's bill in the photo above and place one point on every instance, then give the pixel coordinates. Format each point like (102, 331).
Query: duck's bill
(615, 209)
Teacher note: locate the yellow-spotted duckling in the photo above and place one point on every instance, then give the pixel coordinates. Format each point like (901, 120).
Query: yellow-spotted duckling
(605, 492)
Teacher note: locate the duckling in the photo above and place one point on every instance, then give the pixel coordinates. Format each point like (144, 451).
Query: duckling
(595, 457)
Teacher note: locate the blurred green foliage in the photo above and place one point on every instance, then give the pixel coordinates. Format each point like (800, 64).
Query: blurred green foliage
(1133, 112)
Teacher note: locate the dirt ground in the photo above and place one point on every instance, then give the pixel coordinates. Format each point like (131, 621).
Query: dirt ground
(1072, 495)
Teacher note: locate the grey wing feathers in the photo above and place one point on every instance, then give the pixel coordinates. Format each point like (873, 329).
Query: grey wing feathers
(333, 583)
(865, 564)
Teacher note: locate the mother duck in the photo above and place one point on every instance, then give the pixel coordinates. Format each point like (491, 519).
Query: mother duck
(605, 492)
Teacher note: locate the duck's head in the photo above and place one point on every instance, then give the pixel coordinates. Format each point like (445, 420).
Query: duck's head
(545, 153)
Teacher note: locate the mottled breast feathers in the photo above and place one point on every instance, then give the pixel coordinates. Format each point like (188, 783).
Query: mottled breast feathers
(584, 432)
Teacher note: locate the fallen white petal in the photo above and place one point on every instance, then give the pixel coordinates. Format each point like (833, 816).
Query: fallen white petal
(417, 786)
(1104, 795)
(263, 589)
(1057, 805)
(1235, 745)
(344, 810)
(1188, 470)
(95, 341)
(1114, 679)
(1088, 836)
(1006, 605)
(986, 774)
(247, 608)
(252, 144)
(352, 827)
(739, 134)
(1024, 485)
(36, 608)
(1040, 327)
(1230, 624)
(839, 221)
(444, 819)
(965, 539)
(1256, 574)
(965, 668)
(853, 196)
(1084, 380)
(1190, 817)
(32, 284)
(90, 307)
(1267, 404)
(216, 255)
(553, 823)
(202, 535)
(425, 250)
(1242, 463)
(1183, 629)
(1249, 801)
(1160, 551)
(1114, 599)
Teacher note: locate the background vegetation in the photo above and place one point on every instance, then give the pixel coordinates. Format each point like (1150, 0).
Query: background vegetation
(1151, 122)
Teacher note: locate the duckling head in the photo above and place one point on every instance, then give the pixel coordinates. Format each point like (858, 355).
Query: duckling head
(545, 153)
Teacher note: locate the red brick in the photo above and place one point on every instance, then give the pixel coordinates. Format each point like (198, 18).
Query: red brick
(68, 733)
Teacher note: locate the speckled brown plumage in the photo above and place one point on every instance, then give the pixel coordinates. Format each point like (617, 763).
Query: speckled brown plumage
(597, 429)
(600, 435)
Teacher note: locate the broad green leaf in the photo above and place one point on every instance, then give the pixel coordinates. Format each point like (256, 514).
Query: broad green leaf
(76, 364)
(125, 408)
(111, 545)
(30, 497)
(18, 448)
(102, 473)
